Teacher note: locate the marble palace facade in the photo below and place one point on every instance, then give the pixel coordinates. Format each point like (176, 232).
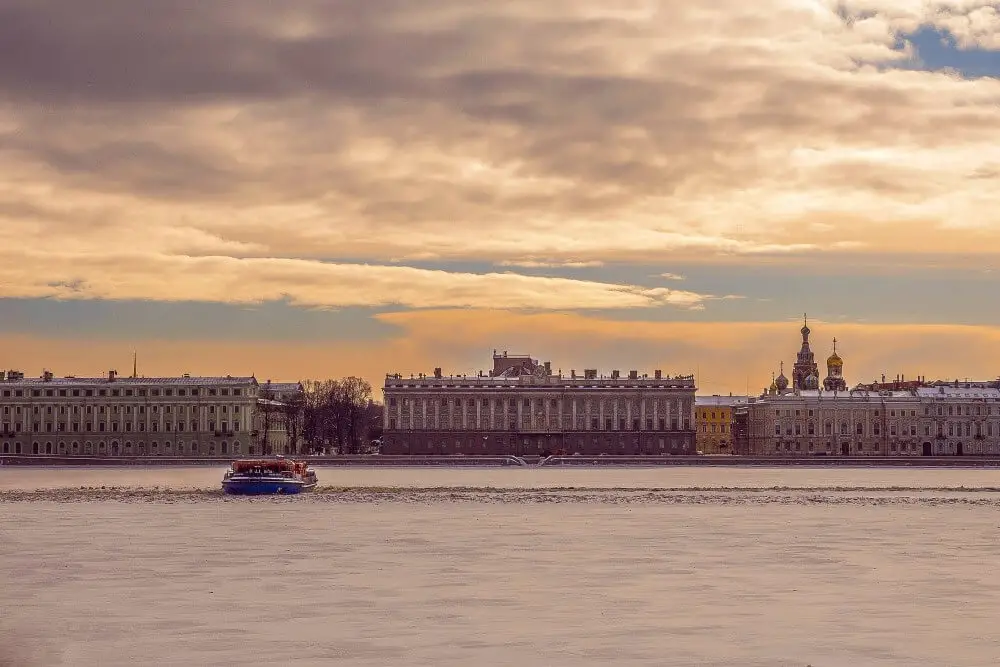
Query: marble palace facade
(522, 408)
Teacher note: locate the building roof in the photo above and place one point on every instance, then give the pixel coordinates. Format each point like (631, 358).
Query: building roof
(129, 381)
(850, 395)
(282, 387)
(724, 401)
(958, 392)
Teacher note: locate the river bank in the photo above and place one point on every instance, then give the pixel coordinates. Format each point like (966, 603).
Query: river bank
(520, 461)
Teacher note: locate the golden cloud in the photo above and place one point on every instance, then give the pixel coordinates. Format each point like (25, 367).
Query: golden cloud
(230, 147)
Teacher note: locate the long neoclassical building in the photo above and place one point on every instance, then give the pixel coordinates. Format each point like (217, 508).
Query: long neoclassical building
(132, 416)
(810, 418)
(522, 407)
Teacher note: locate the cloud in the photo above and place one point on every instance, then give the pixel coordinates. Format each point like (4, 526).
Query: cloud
(563, 134)
(314, 284)
(539, 264)
(671, 276)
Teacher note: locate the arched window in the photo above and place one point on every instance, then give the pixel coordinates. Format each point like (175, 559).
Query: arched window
(843, 428)
(859, 428)
(115, 448)
(128, 447)
(35, 447)
(166, 448)
(236, 448)
(194, 448)
(225, 447)
(180, 448)
(102, 447)
(48, 447)
(154, 448)
(6, 448)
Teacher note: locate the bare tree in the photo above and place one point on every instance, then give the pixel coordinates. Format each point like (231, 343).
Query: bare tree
(292, 413)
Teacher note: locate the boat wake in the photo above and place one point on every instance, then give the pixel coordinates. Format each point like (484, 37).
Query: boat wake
(781, 495)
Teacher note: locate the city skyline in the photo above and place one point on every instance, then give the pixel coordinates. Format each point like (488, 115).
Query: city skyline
(303, 190)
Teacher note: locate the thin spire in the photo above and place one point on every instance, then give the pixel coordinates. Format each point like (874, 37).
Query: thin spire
(835, 345)
(135, 364)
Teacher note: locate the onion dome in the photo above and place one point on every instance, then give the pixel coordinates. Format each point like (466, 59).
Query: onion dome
(805, 330)
(782, 381)
(834, 360)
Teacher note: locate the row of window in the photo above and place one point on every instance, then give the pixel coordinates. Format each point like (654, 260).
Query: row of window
(952, 410)
(553, 424)
(115, 448)
(954, 429)
(844, 448)
(722, 428)
(536, 403)
(126, 427)
(117, 409)
(19, 393)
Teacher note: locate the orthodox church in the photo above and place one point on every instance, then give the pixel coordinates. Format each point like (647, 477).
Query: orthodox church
(805, 372)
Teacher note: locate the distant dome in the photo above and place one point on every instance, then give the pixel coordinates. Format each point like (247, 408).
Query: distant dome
(782, 382)
(834, 360)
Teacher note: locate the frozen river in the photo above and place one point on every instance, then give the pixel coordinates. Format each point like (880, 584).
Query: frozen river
(848, 567)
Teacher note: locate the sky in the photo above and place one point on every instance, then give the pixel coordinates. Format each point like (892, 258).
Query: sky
(316, 189)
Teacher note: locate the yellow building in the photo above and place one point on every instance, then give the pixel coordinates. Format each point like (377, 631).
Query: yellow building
(713, 418)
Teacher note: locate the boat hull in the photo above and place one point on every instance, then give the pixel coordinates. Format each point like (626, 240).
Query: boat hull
(266, 486)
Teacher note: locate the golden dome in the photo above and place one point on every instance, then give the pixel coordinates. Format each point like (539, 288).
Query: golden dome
(834, 359)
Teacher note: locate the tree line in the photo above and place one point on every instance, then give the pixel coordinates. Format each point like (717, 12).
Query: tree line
(329, 415)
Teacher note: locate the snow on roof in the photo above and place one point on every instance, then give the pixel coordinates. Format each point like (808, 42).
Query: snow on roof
(281, 387)
(726, 401)
(129, 381)
(958, 392)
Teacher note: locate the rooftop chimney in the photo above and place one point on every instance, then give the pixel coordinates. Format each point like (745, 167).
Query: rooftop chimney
(548, 368)
(111, 375)
(615, 375)
(658, 374)
(437, 372)
(633, 375)
(47, 376)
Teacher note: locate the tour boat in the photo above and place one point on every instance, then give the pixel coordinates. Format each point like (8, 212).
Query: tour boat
(257, 477)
